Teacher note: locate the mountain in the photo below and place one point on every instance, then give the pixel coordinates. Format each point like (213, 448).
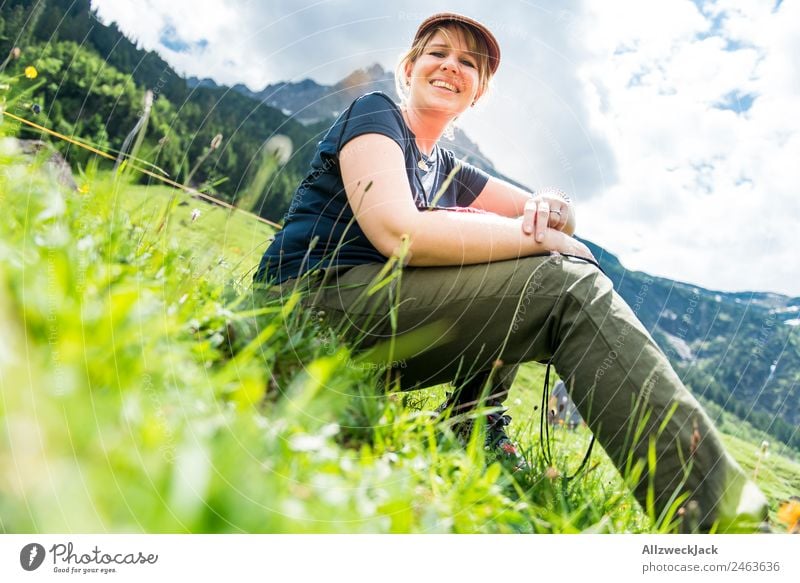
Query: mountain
(317, 105)
(309, 102)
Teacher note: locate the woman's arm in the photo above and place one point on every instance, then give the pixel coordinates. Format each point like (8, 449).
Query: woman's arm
(374, 175)
(503, 198)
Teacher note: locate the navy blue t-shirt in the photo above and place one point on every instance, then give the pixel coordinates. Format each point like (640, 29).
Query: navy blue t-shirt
(319, 208)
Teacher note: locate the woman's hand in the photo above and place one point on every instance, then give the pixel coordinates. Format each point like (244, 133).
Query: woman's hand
(550, 208)
(558, 241)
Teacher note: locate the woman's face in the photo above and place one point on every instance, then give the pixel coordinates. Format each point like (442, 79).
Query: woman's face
(445, 76)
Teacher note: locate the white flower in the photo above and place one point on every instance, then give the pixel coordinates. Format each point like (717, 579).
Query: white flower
(280, 147)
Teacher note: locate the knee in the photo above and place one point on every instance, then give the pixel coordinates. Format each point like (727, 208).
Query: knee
(585, 281)
(557, 276)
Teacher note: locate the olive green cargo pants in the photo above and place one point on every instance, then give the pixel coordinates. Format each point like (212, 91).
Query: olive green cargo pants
(473, 323)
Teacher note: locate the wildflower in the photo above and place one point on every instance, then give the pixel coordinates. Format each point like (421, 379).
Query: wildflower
(133, 141)
(789, 514)
(696, 437)
(215, 143)
(13, 54)
(552, 473)
(762, 454)
(36, 108)
(280, 147)
(31, 72)
(195, 214)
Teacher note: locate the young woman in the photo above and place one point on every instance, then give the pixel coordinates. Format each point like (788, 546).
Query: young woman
(491, 277)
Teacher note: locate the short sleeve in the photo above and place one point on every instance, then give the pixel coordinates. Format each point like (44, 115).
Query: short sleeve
(373, 113)
(469, 181)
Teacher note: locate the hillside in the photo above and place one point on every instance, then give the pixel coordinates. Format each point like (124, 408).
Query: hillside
(156, 393)
(95, 83)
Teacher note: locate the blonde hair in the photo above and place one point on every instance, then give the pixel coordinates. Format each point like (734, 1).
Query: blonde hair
(475, 45)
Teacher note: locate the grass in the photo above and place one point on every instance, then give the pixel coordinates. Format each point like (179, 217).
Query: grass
(145, 388)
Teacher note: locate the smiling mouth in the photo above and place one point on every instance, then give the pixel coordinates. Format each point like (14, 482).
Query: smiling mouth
(445, 85)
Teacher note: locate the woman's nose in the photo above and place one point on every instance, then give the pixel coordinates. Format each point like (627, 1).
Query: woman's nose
(450, 63)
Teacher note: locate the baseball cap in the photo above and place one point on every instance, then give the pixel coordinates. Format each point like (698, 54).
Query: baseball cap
(444, 17)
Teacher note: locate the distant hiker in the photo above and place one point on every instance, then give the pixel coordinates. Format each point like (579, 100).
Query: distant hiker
(491, 274)
(561, 411)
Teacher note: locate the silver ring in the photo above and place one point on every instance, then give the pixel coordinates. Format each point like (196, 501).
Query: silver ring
(555, 211)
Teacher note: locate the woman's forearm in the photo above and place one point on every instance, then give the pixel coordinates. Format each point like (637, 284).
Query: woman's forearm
(447, 238)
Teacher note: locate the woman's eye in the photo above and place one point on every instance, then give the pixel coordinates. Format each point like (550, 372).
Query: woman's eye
(468, 63)
(437, 53)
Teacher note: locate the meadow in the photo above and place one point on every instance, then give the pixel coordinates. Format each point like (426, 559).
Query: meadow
(145, 388)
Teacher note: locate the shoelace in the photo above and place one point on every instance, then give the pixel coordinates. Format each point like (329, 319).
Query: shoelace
(497, 423)
(501, 420)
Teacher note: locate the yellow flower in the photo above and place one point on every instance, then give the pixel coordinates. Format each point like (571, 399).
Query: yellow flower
(789, 514)
(31, 72)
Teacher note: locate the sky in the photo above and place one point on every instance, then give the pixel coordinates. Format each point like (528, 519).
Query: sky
(674, 125)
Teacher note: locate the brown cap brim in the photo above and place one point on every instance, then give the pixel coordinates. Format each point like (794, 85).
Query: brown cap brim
(444, 17)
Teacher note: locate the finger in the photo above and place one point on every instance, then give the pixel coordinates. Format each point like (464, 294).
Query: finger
(568, 214)
(529, 217)
(563, 218)
(542, 219)
(554, 218)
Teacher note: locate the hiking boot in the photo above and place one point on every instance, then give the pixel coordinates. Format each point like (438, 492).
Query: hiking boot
(500, 445)
(496, 443)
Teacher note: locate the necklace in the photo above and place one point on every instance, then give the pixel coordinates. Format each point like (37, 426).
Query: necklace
(422, 163)
(427, 180)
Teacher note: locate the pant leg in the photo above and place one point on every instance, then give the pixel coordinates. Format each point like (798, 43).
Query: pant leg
(448, 320)
(489, 387)
(485, 388)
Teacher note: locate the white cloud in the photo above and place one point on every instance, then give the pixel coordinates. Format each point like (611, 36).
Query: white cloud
(618, 102)
(704, 195)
